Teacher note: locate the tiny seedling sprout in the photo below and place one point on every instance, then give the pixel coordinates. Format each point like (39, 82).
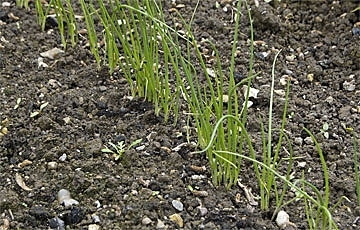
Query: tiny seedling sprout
(119, 148)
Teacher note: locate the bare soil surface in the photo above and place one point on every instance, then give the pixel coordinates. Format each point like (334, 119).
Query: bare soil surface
(60, 148)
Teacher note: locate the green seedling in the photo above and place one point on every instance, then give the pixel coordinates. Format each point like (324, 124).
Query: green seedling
(22, 3)
(119, 148)
(38, 112)
(356, 168)
(325, 129)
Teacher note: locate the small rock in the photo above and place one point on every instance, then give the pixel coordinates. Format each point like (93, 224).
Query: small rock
(177, 205)
(6, 4)
(355, 31)
(97, 204)
(95, 219)
(51, 53)
(54, 83)
(349, 86)
(282, 218)
(160, 224)
(200, 193)
(146, 221)
(63, 157)
(318, 19)
(52, 165)
(298, 141)
(302, 164)
(310, 77)
(179, 6)
(93, 227)
(202, 211)
(262, 55)
(225, 98)
(5, 225)
(102, 88)
(57, 223)
(67, 120)
(24, 163)
(284, 80)
(308, 141)
(177, 219)
(253, 92)
(329, 99)
(290, 58)
(19, 180)
(65, 199)
(280, 92)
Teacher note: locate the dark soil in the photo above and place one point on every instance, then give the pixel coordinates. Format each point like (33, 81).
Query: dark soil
(61, 147)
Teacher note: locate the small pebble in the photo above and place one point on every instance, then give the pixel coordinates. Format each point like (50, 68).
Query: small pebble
(282, 218)
(329, 99)
(253, 92)
(310, 77)
(177, 219)
(308, 141)
(284, 80)
(280, 92)
(356, 31)
(146, 221)
(298, 141)
(63, 157)
(93, 227)
(179, 6)
(289, 72)
(349, 86)
(97, 204)
(65, 199)
(102, 88)
(225, 98)
(290, 58)
(56, 223)
(160, 224)
(178, 205)
(202, 211)
(262, 55)
(200, 193)
(51, 53)
(25, 163)
(95, 219)
(52, 165)
(302, 164)
(6, 4)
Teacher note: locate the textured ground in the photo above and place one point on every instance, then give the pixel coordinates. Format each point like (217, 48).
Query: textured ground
(60, 147)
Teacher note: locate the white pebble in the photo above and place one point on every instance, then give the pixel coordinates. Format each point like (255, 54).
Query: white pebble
(63, 157)
(160, 225)
(282, 218)
(349, 86)
(52, 165)
(65, 199)
(146, 221)
(177, 205)
(308, 141)
(93, 227)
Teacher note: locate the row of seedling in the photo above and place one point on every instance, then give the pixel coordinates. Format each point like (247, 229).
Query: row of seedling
(159, 64)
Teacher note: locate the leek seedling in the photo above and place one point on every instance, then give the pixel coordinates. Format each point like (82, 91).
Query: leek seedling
(320, 202)
(22, 3)
(356, 167)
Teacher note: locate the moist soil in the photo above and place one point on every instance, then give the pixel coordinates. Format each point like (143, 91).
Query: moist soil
(60, 148)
